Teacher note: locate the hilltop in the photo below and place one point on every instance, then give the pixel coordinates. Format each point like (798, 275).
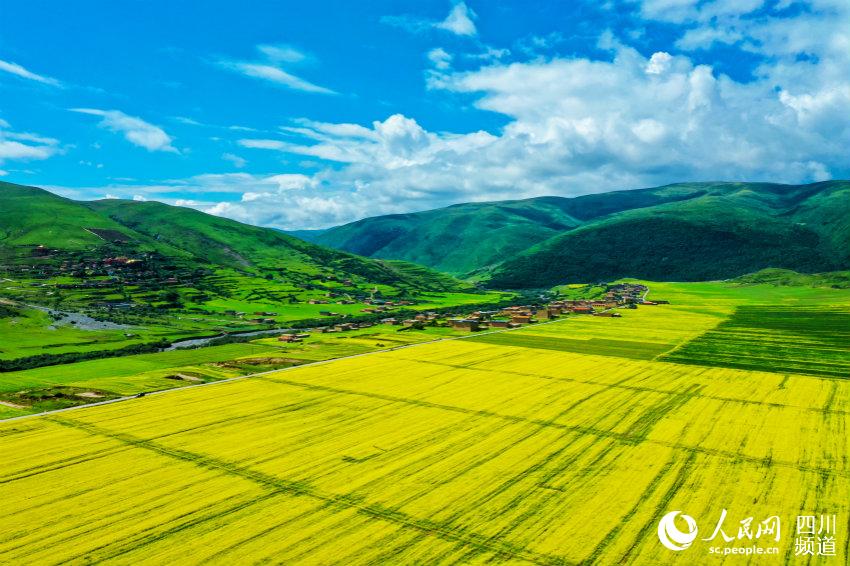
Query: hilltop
(687, 232)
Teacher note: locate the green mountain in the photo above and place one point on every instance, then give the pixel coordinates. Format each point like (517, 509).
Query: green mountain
(457, 239)
(688, 232)
(31, 217)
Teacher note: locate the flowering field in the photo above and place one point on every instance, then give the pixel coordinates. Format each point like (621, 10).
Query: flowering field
(475, 450)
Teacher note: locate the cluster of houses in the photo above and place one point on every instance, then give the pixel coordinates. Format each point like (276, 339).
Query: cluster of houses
(102, 272)
(345, 327)
(617, 296)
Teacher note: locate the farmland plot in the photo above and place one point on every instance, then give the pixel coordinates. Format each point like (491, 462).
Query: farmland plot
(457, 451)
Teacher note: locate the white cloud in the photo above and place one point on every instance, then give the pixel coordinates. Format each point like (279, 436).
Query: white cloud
(440, 58)
(25, 146)
(20, 71)
(282, 53)
(187, 121)
(135, 130)
(659, 63)
(459, 21)
(262, 144)
(681, 11)
(276, 75)
(270, 70)
(3, 173)
(235, 159)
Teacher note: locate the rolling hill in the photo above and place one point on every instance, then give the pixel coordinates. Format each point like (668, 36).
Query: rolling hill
(31, 217)
(687, 232)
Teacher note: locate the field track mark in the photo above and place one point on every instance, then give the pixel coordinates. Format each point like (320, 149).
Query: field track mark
(660, 507)
(625, 438)
(619, 385)
(296, 488)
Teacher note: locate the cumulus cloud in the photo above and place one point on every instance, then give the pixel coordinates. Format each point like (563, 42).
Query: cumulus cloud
(135, 130)
(659, 63)
(18, 70)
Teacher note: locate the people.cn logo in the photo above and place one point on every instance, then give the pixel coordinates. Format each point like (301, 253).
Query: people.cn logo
(671, 537)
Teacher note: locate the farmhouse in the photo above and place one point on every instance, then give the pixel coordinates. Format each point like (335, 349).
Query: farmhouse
(503, 324)
(547, 313)
(464, 324)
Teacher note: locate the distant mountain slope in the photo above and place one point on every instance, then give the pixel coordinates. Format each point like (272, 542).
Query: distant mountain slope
(31, 217)
(457, 239)
(306, 235)
(726, 231)
(688, 231)
(463, 238)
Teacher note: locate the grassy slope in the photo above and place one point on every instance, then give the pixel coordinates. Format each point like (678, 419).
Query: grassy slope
(32, 216)
(222, 241)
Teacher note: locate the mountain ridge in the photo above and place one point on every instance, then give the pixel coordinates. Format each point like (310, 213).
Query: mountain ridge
(730, 228)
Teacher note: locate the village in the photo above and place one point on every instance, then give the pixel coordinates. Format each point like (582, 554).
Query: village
(617, 296)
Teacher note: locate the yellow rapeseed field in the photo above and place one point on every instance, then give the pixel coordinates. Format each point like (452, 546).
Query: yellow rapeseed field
(458, 451)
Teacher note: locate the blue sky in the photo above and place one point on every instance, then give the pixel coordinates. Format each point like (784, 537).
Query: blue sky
(305, 115)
